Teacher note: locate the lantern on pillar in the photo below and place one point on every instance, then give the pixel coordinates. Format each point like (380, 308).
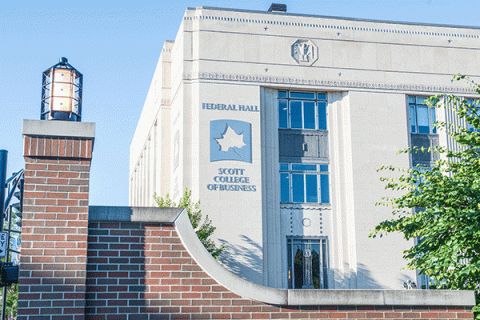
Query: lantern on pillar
(61, 93)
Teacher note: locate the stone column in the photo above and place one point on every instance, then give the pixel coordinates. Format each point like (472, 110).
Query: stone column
(55, 219)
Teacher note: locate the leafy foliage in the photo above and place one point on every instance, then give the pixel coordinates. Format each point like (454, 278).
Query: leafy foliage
(203, 229)
(12, 301)
(440, 206)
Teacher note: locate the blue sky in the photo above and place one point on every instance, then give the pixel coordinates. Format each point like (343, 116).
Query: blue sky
(116, 45)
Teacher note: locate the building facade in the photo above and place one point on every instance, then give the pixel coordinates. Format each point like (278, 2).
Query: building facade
(279, 122)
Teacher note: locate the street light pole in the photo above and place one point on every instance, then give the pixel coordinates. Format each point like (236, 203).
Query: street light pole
(3, 179)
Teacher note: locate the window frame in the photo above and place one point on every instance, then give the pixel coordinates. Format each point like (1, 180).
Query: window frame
(323, 262)
(290, 170)
(292, 97)
(414, 103)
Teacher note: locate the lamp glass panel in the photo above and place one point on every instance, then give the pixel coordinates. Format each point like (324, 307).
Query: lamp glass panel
(63, 75)
(62, 90)
(61, 104)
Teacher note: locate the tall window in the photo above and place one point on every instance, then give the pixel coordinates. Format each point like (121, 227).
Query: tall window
(304, 183)
(302, 110)
(307, 263)
(422, 116)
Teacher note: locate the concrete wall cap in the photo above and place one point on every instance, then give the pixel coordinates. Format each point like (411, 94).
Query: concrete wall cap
(58, 128)
(382, 297)
(133, 214)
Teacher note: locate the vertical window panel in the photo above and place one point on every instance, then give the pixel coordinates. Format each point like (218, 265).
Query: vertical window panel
(322, 115)
(432, 120)
(296, 114)
(282, 114)
(325, 188)
(309, 115)
(413, 119)
(298, 266)
(423, 119)
(316, 281)
(298, 188)
(312, 188)
(285, 187)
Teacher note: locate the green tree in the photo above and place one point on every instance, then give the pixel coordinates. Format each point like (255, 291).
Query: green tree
(203, 229)
(440, 206)
(12, 301)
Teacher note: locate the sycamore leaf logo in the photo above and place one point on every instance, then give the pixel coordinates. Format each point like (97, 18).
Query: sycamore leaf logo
(230, 139)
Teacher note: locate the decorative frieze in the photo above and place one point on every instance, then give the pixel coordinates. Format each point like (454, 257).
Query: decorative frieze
(337, 84)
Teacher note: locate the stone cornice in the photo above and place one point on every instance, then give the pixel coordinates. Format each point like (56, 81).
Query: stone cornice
(328, 83)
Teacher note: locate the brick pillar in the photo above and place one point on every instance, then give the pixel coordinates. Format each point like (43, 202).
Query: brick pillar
(55, 219)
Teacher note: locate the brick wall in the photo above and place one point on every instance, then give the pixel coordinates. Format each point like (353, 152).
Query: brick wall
(54, 227)
(142, 271)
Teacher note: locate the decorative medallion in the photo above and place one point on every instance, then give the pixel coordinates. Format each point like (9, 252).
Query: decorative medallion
(305, 52)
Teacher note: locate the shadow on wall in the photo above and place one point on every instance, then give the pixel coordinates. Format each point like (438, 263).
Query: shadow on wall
(365, 279)
(245, 260)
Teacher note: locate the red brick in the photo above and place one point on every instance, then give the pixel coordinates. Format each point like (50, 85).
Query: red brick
(76, 148)
(180, 302)
(48, 147)
(35, 166)
(430, 315)
(57, 181)
(54, 147)
(55, 223)
(465, 315)
(83, 148)
(26, 145)
(32, 237)
(34, 180)
(447, 315)
(191, 295)
(68, 148)
(221, 316)
(31, 194)
(394, 315)
(89, 148)
(219, 288)
(55, 209)
(339, 315)
(41, 146)
(53, 252)
(207, 309)
(50, 174)
(33, 146)
(56, 195)
(374, 314)
(356, 315)
(45, 202)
